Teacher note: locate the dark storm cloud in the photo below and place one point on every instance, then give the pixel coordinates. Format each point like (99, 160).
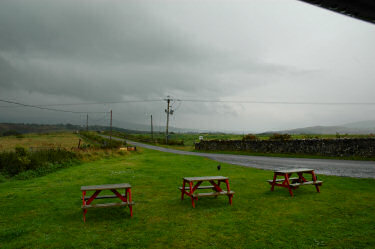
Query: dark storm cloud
(94, 51)
(91, 50)
(98, 51)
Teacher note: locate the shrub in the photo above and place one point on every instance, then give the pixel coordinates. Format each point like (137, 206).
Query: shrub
(309, 137)
(2, 178)
(104, 143)
(281, 137)
(14, 163)
(11, 133)
(250, 137)
(146, 139)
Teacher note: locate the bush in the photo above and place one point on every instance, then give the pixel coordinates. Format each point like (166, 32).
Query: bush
(102, 142)
(309, 137)
(281, 137)
(250, 137)
(2, 178)
(11, 133)
(43, 161)
(145, 139)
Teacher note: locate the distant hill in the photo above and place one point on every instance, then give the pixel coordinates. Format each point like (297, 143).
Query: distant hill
(363, 127)
(43, 128)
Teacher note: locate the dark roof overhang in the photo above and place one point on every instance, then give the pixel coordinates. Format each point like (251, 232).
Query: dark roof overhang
(360, 9)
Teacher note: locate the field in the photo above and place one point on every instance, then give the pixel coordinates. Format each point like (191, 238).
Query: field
(65, 140)
(44, 212)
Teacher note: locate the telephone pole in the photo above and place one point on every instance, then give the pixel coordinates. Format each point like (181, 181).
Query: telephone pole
(110, 134)
(168, 111)
(87, 122)
(152, 130)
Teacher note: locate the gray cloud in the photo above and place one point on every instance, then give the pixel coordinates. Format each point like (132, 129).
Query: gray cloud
(76, 51)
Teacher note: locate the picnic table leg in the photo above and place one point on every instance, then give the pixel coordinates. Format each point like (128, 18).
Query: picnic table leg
(218, 184)
(288, 182)
(301, 178)
(191, 194)
(228, 189)
(274, 182)
(84, 203)
(130, 202)
(314, 179)
(183, 189)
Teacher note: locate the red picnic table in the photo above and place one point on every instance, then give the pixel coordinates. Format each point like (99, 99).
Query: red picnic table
(214, 180)
(86, 200)
(294, 182)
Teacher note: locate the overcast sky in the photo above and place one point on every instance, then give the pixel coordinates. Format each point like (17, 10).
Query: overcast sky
(73, 51)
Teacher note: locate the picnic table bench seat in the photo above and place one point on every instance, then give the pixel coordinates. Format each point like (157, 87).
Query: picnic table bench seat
(103, 197)
(213, 194)
(280, 180)
(306, 183)
(104, 205)
(200, 187)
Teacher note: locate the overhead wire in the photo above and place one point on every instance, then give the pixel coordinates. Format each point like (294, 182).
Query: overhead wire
(43, 108)
(95, 103)
(275, 102)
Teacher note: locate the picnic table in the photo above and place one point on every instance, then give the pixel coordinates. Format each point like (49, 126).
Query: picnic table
(126, 199)
(294, 182)
(215, 181)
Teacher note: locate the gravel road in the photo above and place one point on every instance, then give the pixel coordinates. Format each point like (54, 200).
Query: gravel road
(349, 168)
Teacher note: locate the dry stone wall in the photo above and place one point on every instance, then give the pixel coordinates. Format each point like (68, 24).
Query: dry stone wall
(362, 147)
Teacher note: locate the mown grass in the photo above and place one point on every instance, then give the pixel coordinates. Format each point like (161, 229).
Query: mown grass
(45, 212)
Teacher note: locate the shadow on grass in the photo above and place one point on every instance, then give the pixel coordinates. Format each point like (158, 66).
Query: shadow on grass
(209, 202)
(284, 192)
(12, 234)
(106, 214)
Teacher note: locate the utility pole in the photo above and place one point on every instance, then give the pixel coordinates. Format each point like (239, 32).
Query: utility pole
(152, 130)
(87, 122)
(168, 111)
(110, 134)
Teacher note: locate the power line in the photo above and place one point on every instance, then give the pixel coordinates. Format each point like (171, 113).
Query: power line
(97, 103)
(195, 100)
(44, 108)
(274, 102)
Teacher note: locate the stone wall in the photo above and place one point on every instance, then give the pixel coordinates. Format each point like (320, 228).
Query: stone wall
(362, 147)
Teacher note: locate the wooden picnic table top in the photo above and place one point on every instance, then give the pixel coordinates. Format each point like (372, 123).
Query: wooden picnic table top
(297, 170)
(106, 186)
(205, 178)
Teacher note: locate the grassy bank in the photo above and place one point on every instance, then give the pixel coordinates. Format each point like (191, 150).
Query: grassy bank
(45, 212)
(34, 155)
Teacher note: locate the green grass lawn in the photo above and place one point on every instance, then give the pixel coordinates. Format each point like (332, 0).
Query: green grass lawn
(45, 212)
